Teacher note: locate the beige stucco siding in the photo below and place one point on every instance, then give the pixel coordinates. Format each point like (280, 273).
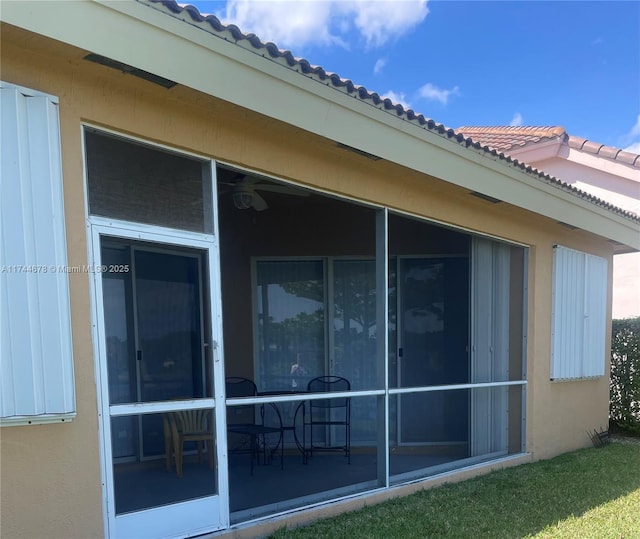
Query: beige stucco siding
(559, 414)
(51, 480)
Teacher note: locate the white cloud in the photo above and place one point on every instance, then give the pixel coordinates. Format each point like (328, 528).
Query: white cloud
(296, 24)
(516, 120)
(380, 21)
(433, 93)
(397, 98)
(632, 138)
(285, 23)
(380, 64)
(634, 148)
(635, 130)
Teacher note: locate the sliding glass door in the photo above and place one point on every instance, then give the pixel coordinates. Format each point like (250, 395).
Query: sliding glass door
(315, 318)
(433, 335)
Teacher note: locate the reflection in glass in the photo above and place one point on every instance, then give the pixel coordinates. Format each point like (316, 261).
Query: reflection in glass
(354, 338)
(291, 312)
(354, 319)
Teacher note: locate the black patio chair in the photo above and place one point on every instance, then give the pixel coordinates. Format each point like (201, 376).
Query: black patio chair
(335, 412)
(244, 422)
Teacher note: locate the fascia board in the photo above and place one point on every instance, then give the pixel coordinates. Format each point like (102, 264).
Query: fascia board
(182, 52)
(617, 168)
(534, 153)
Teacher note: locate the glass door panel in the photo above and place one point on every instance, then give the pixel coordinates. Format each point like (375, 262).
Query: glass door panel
(434, 332)
(153, 323)
(354, 340)
(160, 387)
(170, 345)
(291, 314)
(119, 324)
(354, 321)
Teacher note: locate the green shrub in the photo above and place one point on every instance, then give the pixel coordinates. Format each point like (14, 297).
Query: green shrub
(624, 408)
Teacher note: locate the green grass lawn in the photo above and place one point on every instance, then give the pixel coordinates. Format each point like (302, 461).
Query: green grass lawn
(592, 493)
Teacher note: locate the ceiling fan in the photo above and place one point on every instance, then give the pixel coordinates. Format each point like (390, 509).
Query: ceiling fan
(244, 192)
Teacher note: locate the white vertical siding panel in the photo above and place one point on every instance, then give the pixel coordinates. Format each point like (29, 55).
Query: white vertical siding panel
(36, 349)
(9, 167)
(595, 321)
(52, 287)
(31, 402)
(15, 174)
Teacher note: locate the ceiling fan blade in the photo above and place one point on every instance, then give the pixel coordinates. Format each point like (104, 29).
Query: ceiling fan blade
(258, 203)
(285, 190)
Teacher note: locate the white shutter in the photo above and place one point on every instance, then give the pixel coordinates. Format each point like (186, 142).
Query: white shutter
(579, 315)
(35, 327)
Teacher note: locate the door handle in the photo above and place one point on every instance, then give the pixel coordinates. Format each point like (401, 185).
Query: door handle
(139, 355)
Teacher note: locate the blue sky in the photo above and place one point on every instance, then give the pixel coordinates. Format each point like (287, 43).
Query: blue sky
(574, 64)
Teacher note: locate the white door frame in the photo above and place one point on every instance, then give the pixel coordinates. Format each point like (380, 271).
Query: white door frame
(204, 514)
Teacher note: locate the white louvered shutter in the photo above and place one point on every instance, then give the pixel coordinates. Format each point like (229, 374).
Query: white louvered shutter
(36, 383)
(579, 315)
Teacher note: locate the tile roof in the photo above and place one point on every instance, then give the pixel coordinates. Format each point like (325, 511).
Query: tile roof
(270, 51)
(505, 138)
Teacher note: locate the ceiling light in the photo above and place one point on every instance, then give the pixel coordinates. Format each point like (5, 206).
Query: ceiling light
(242, 200)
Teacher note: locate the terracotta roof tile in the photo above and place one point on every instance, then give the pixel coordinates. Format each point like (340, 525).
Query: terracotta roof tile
(629, 158)
(592, 147)
(513, 137)
(576, 142)
(609, 151)
(505, 137)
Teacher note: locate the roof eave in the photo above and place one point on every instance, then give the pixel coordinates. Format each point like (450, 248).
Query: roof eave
(598, 162)
(537, 151)
(304, 102)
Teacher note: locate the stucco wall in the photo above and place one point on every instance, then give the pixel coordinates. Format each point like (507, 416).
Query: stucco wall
(626, 288)
(51, 474)
(600, 179)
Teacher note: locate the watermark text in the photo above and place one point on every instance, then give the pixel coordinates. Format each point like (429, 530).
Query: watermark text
(54, 268)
